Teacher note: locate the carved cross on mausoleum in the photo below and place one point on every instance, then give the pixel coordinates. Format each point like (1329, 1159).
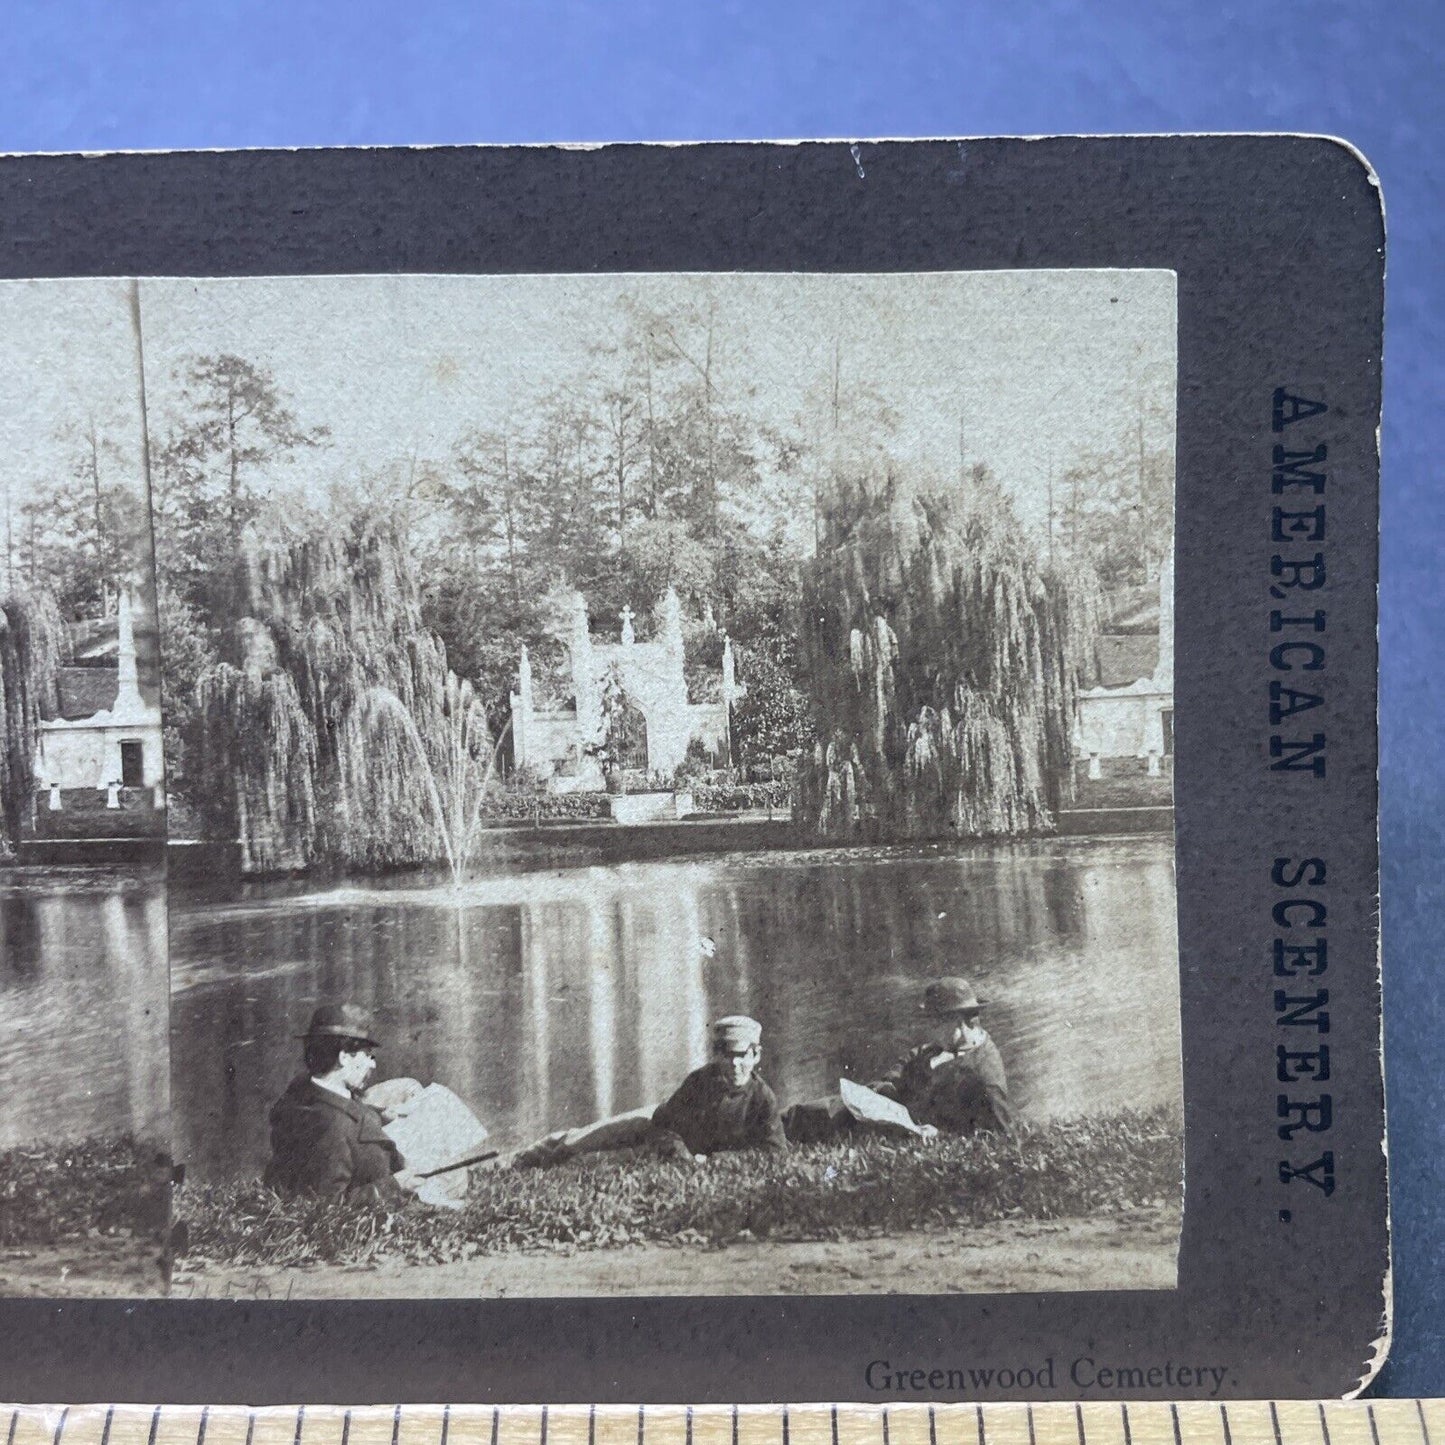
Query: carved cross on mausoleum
(627, 634)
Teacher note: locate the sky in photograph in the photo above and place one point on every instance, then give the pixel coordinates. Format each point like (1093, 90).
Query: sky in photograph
(1030, 369)
(68, 360)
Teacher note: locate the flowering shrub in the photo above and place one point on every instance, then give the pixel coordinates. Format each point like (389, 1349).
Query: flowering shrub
(523, 805)
(736, 797)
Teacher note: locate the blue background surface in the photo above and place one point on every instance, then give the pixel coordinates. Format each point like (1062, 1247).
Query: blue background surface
(111, 75)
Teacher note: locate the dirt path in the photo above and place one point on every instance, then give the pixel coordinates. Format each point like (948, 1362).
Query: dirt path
(89, 1269)
(1133, 1250)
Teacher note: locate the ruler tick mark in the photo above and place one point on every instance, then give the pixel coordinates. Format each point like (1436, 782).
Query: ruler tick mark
(53, 1427)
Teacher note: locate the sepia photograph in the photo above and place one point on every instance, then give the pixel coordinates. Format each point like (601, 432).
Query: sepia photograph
(669, 780)
(84, 1130)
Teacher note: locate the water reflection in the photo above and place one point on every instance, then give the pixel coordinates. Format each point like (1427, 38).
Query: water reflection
(83, 1006)
(547, 999)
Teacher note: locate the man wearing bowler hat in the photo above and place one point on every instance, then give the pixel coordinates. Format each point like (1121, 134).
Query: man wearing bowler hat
(324, 1140)
(725, 1104)
(956, 1081)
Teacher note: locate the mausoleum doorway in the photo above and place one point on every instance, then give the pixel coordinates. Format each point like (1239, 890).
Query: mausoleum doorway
(629, 735)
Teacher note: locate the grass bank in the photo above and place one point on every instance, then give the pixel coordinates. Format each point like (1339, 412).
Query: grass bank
(868, 1188)
(56, 1193)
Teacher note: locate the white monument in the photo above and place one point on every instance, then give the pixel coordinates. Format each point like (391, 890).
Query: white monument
(114, 747)
(641, 686)
(1135, 721)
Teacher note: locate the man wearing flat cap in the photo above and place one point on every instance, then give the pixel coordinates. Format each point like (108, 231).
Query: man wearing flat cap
(324, 1140)
(725, 1104)
(956, 1081)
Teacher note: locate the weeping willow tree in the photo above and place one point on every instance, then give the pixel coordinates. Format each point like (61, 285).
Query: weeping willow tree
(944, 656)
(258, 754)
(32, 642)
(332, 730)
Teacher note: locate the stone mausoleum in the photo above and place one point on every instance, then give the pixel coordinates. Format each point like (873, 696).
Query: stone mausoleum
(98, 763)
(1126, 721)
(640, 687)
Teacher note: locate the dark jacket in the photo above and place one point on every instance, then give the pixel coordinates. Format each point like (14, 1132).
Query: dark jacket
(322, 1143)
(708, 1114)
(961, 1095)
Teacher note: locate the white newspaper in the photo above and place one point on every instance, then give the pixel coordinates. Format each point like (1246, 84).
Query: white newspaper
(432, 1127)
(872, 1108)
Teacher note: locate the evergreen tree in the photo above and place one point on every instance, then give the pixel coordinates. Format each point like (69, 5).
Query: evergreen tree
(233, 424)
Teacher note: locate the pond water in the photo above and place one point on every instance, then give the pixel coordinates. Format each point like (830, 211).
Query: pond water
(549, 998)
(83, 1005)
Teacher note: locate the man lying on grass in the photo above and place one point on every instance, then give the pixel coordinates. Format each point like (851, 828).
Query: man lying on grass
(726, 1104)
